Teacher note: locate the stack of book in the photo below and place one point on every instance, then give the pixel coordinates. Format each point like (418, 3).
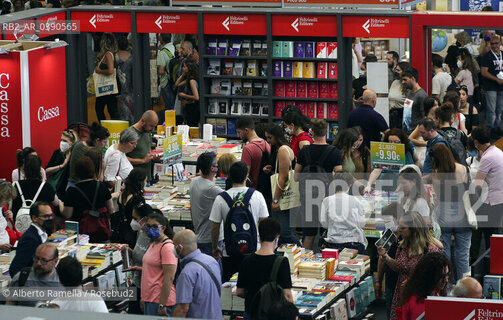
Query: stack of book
(229, 299)
(95, 266)
(314, 299)
(365, 259)
(352, 265)
(313, 268)
(293, 253)
(346, 276)
(347, 254)
(306, 284)
(330, 253)
(332, 264)
(331, 286)
(339, 310)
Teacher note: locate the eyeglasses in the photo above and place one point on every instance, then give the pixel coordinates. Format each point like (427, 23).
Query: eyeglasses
(47, 216)
(155, 226)
(42, 260)
(463, 87)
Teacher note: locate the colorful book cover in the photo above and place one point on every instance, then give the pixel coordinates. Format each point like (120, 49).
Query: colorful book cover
(278, 107)
(321, 50)
(333, 110)
(308, 70)
(287, 69)
(287, 51)
(332, 50)
(332, 70)
(291, 89)
(297, 69)
(312, 89)
(299, 49)
(277, 69)
(322, 70)
(324, 90)
(301, 89)
(334, 90)
(309, 49)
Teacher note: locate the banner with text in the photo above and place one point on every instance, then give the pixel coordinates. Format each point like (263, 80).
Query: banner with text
(387, 156)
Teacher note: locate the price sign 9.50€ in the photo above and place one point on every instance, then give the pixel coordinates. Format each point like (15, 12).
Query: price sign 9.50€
(172, 148)
(387, 156)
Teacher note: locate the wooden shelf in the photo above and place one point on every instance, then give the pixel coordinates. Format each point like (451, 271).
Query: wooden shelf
(222, 76)
(305, 59)
(220, 96)
(236, 57)
(305, 99)
(305, 79)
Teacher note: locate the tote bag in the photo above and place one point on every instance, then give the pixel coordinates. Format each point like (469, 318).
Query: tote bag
(290, 198)
(105, 84)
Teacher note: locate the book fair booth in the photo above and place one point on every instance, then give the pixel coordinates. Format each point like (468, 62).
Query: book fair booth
(253, 61)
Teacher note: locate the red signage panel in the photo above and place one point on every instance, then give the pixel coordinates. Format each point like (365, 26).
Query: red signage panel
(46, 24)
(152, 22)
(47, 100)
(11, 135)
(13, 29)
(103, 21)
(375, 27)
(441, 308)
(304, 25)
(235, 24)
(354, 3)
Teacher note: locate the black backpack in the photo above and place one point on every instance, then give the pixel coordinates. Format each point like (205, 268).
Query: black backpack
(268, 294)
(264, 179)
(455, 144)
(316, 168)
(240, 231)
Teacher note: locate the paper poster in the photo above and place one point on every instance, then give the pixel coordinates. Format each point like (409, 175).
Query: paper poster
(382, 107)
(376, 72)
(387, 156)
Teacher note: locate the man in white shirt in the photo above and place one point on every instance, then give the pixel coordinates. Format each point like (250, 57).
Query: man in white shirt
(70, 275)
(441, 80)
(342, 214)
(257, 206)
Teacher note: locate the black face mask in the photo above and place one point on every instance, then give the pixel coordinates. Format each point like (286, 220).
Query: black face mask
(47, 226)
(458, 44)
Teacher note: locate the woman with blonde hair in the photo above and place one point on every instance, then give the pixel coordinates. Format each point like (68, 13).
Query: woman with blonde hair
(417, 241)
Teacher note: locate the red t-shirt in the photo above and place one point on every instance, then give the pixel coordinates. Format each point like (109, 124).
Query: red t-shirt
(304, 136)
(413, 308)
(252, 156)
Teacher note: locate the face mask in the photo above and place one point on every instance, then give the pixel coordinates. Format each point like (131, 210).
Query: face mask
(135, 225)
(64, 146)
(459, 64)
(47, 226)
(362, 73)
(153, 233)
(394, 228)
(473, 153)
(288, 131)
(458, 44)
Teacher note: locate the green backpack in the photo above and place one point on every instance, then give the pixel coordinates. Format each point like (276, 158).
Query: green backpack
(268, 294)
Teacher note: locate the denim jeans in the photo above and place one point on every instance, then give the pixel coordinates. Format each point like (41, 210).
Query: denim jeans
(286, 235)
(461, 251)
(151, 309)
(494, 108)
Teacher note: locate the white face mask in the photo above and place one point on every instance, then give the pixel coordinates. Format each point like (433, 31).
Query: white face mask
(64, 146)
(460, 64)
(177, 255)
(135, 225)
(288, 131)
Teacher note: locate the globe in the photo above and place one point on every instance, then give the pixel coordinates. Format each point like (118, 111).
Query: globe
(438, 40)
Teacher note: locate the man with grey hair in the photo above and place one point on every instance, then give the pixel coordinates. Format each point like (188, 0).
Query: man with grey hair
(370, 121)
(142, 155)
(198, 286)
(467, 287)
(116, 162)
(41, 274)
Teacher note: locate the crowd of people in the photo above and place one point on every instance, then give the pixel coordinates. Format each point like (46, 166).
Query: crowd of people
(239, 228)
